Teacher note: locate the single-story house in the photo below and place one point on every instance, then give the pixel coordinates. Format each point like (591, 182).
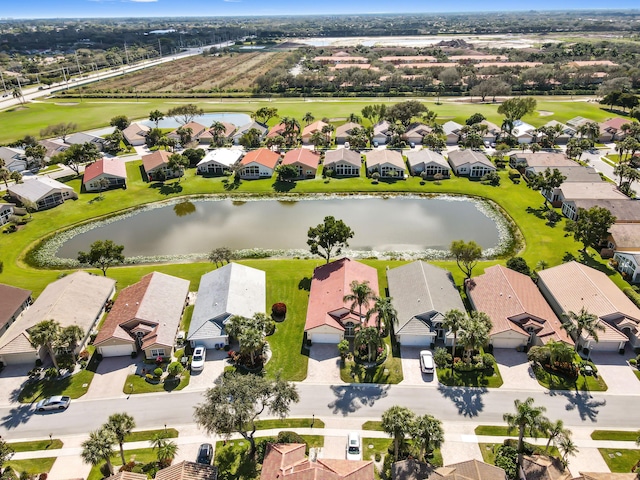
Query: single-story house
(304, 160)
(44, 192)
(329, 318)
(53, 147)
(234, 289)
(381, 133)
(260, 163)
(428, 161)
(276, 130)
(288, 461)
(309, 130)
(187, 470)
(543, 467)
(215, 162)
(80, 138)
(122, 475)
(412, 469)
(492, 133)
(145, 316)
(625, 209)
(572, 286)
(6, 210)
(611, 130)
(76, 299)
(197, 129)
(575, 174)
(606, 476)
(452, 131)
(112, 169)
(343, 162)
(628, 265)
(388, 163)
(246, 127)
(523, 132)
(13, 301)
(624, 237)
(136, 134)
(566, 134)
(343, 131)
(519, 313)
(422, 294)
(156, 165)
(470, 163)
(585, 191)
(15, 159)
(539, 160)
(206, 137)
(416, 132)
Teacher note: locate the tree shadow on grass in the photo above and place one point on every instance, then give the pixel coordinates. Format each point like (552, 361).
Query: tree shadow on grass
(350, 398)
(468, 401)
(539, 212)
(280, 186)
(233, 462)
(167, 188)
(231, 185)
(305, 284)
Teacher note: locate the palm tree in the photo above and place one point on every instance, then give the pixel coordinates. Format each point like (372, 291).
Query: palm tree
(354, 118)
(427, 434)
(291, 129)
(99, 447)
(166, 449)
(475, 332)
(217, 129)
(541, 265)
(583, 321)
(453, 321)
(17, 94)
(527, 418)
(361, 294)
(369, 336)
(46, 334)
(591, 130)
(567, 448)
(70, 336)
(385, 313)
(555, 431)
(560, 352)
(251, 341)
(121, 425)
(308, 118)
(396, 422)
(155, 116)
(317, 139)
(328, 130)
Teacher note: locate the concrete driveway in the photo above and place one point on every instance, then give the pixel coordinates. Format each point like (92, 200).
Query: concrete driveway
(324, 365)
(515, 370)
(213, 368)
(110, 377)
(411, 368)
(334, 447)
(617, 374)
(12, 379)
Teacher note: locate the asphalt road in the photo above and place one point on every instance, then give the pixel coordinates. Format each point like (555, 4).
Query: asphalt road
(360, 401)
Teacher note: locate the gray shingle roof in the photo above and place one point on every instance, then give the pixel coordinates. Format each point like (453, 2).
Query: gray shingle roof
(37, 188)
(426, 157)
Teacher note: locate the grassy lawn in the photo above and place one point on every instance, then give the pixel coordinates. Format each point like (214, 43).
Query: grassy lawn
(143, 435)
(470, 379)
(33, 466)
(637, 372)
(372, 425)
(140, 385)
(36, 445)
(142, 455)
(500, 431)
(186, 318)
(289, 423)
(371, 446)
(488, 451)
(74, 386)
(232, 461)
(555, 381)
(388, 372)
(620, 460)
(620, 435)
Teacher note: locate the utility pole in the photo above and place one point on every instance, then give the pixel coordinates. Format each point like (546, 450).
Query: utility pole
(160, 47)
(77, 63)
(4, 85)
(126, 53)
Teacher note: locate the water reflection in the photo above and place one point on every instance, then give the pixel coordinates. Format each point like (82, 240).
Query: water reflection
(184, 208)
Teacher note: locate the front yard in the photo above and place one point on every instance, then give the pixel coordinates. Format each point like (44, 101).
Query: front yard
(558, 381)
(620, 460)
(73, 386)
(136, 384)
(390, 371)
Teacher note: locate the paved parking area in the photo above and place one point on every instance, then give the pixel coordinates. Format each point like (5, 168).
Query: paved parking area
(411, 368)
(12, 379)
(515, 370)
(213, 368)
(110, 377)
(617, 374)
(324, 364)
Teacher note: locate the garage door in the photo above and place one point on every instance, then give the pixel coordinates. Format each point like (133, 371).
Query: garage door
(20, 358)
(507, 342)
(116, 350)
(325, 338)
(414, 340)
(605, 346)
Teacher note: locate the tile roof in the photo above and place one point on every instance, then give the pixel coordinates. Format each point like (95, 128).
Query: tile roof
(615, 122)
(128, 476)
(82, 137)
(574, 174)
(234, 289)
(156, 300)
(411, 469)
(342, 154)
(188, 471)
(276, 130)
(302, 155)
(229, 129)
(346, 128)
(421, 292)
(544, 159)
(425, 156)
(248, 126)
(462, 157)
(11, 298)
(380, 157)
(135, 132)
(451, 127)
(471, 470)
(606, 476)
(542, 467)
(590, 190)
(329, 285)
(511, 299)
(262, 156)
(37, 188)
(196, 129)
(624, 209)
(381, 128)
(313, 127)
(113, 167)
(155, 159)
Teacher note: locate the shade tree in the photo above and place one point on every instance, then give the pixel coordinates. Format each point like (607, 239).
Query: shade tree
(329, 237)
(102, 254)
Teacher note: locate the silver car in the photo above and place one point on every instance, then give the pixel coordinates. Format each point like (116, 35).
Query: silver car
(199, 356)
(53, 403)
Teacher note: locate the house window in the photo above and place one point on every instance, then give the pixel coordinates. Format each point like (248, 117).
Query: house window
(157, 352)
(349, 329)
(253, 171)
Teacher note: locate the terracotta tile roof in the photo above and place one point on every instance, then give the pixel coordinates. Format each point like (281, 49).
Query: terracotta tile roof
(11, 298)
(303, 156)
(313, 127)
(472, 470)
(407, 58)
(114, 167)
(615, 123)
(135, 132)
(196, 128)
(230, 129)
(188, 471)
(542, 467)
(262, 156)
(155, 159)
(606, 476)
(329, 285)
(513, 302)
(543, 159)
(276, 130)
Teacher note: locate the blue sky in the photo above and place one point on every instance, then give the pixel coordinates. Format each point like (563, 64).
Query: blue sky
(162, 8)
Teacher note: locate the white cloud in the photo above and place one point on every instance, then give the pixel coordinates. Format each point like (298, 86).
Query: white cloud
(232, 1)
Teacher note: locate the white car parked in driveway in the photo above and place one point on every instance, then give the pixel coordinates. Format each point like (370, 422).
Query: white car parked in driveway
(354, 447)
(199, 356)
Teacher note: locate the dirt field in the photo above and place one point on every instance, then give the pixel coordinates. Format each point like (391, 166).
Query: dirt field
(194, 74)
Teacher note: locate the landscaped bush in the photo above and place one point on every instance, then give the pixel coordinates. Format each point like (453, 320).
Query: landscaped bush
(279, 311)
(506, 458)
(633, 295)
(158, 372)
(174, 369)
(633, 361)
(269, 328)
(442, 358)
(261, 447)
(287, 436)
(513, 174)
(51, 372)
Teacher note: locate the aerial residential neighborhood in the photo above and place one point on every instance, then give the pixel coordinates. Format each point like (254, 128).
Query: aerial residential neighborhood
(369, 246)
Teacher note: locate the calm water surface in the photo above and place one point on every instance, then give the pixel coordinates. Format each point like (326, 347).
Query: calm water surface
(392, 224)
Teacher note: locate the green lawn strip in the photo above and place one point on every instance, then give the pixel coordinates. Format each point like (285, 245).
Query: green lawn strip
(143, 435)
(488, 450)
(32, 466)
(314, 441)
(470, 379)
(374, 425)
(74, 386)
(140, 385)
(556, 381)
(500, 431)
(186, 318)
(389, 372)
(288, 423)
(36, 445)
(371, 446)
(619, 435)
(140, 455)
(637, 373)
(620, 460)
